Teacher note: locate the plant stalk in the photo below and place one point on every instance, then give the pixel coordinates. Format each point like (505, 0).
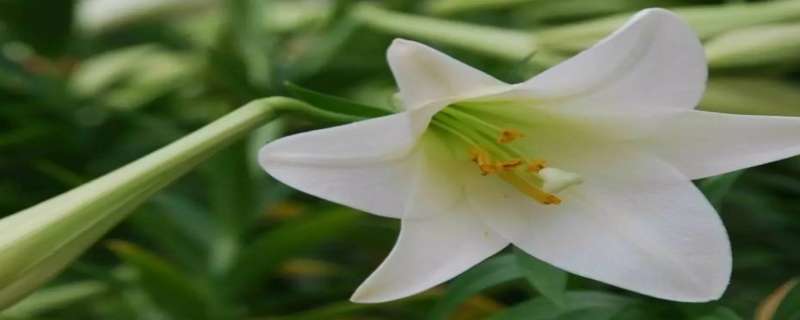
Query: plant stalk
(39, 242)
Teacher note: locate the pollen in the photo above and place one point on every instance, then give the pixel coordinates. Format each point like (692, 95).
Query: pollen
(509, 135)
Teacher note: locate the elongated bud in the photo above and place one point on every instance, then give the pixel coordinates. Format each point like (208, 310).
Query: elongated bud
(38, 242)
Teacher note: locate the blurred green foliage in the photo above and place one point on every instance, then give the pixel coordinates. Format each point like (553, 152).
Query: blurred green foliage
(83, 91)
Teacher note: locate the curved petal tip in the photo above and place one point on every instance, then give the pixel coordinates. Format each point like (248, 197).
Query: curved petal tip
(366, 294)
(711, 288)
(401, 47)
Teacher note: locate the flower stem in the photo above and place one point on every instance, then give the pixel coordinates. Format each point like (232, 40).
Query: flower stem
(38, 242)
(553, 44)
(707, 21)
(761, 45)
(499, 42)
(446, 7)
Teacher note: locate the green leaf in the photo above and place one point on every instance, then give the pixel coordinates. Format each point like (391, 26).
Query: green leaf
(52, 298)
(271, 248)
(341, 310)
(252, 43)
(159, 228)
(721, 313)
(47, 31)
(326, 46)
(550, 281)
(576, 302)
(497, 270)
(716, 188)
(593, 313)
(168, 287)
(231, 197)
(130, 77)
(334, 104)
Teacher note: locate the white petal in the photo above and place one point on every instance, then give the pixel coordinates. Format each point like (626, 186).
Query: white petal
(653, 61)
(702, 144)
(635, 223)
(368, 165)
(429, 252)
(425, 75)
(440, 236)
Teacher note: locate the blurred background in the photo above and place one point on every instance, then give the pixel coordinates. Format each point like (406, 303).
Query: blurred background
(87, 86)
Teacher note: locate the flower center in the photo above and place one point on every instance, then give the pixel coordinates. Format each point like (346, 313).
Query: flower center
(492, 149)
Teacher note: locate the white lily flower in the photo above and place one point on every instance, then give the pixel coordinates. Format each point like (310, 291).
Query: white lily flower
(465, 165)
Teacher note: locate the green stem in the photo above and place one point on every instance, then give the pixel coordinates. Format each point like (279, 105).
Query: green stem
(763, 45)
(446, 7)
(707, 21)
(751, 95)
(38, 242)
(499, 42)
(551, 45)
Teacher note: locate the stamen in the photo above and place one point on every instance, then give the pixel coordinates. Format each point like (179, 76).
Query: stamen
(509, 164)
(529, 189)
(509, 135)
(483, 160)
(505, 170)
(487, 169)
(491, 151)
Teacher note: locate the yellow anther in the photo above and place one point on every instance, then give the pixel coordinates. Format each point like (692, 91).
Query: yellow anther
(474, 153)
(505, 169)
(536, 165)
(509, 135)
(483, 160)
(551, 199)
(509, 164)
(487, 169)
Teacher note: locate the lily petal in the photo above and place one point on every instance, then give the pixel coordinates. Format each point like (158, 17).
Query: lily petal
(440, 235)
(368, 165)
(428, 252)
(425, 75)
(654, 61)
(635, 222)
(702, 144)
